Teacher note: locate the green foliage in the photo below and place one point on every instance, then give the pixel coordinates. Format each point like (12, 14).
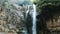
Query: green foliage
(41, 3)
(47, 2)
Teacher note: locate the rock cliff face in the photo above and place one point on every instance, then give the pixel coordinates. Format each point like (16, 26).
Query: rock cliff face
(12, 18)
(16, 19)
(10, 21)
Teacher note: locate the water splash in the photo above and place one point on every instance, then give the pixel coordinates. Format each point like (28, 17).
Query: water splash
(34, 20)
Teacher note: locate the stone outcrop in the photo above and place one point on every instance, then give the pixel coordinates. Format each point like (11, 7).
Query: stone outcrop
(9, 22)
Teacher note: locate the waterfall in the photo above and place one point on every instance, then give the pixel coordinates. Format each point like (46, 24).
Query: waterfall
(27, 11)
(34, 20)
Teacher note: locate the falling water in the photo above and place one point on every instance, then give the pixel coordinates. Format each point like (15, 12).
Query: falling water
(34, 19)
(27, 11)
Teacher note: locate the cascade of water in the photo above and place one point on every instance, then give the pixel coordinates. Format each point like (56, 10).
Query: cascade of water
(34, 19)
(24, 31)
(27, 11)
